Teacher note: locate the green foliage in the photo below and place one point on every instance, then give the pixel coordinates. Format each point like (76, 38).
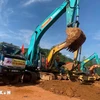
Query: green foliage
(83, 58)
(44, 51)
(63, 58)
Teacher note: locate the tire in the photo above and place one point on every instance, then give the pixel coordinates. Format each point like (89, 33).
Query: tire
(15, 79)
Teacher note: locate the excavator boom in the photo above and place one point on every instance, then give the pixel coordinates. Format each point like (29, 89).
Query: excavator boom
(71, 7)
(54, 51)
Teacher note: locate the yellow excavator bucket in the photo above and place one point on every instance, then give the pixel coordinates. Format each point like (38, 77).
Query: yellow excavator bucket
(75, 38)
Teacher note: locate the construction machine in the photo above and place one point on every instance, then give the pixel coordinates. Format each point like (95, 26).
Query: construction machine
(52, 63)
(83, 73)
(83, 68)
(75, 37)
(90, 73)
(53, 52)
(73, 42)
(11, 66)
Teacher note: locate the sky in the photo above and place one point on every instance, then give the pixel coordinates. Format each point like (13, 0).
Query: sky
(19, 18)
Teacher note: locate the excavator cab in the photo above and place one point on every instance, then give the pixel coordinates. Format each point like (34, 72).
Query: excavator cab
(42, 62)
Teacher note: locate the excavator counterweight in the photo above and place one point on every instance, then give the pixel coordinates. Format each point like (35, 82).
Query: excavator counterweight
(75, 38)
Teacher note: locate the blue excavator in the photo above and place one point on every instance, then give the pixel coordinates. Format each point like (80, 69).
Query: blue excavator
(75, 39)
(93, 56)
(85, 73)
(75, 36)
(92, 73)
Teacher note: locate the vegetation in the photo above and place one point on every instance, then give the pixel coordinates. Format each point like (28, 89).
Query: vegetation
(63, 58)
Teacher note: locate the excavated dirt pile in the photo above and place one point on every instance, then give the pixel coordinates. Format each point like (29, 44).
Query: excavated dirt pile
(51, 90)
(75, 38)
(73, 89)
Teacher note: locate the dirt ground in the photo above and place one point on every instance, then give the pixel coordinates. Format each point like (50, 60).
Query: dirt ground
(51, 90)
(29, 92)
(73, 89)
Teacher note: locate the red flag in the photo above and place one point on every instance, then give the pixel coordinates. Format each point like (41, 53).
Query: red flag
(23, 49)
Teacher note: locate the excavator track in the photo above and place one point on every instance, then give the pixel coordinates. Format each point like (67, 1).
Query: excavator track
(75, 38)
(29, 77)
(47, 76)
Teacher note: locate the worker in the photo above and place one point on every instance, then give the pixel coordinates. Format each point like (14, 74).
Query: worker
(58, 62)
(57, 59)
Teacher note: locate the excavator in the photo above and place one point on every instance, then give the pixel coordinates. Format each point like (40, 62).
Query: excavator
(75, 36)
(75, 39)
(51, 67)
(86, 74)
(93, 56)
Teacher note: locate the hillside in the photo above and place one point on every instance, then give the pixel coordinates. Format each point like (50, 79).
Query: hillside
(63, 58)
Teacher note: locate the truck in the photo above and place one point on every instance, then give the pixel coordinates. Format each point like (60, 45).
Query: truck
(26, 68)
(11, 66)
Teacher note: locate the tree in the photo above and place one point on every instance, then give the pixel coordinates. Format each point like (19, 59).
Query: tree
(83, 58)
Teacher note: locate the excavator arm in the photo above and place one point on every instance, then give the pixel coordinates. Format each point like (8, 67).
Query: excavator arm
(71, 7)
(54, 51)
(93, 56)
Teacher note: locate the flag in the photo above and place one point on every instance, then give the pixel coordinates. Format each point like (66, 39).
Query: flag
(22, 49)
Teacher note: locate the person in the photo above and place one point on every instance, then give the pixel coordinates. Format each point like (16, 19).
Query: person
(58, 62)
(57, 59)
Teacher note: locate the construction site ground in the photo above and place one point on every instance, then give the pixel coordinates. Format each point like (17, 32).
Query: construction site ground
(51, 90)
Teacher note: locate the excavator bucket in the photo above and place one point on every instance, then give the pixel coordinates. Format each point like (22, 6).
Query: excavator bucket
(75, 38)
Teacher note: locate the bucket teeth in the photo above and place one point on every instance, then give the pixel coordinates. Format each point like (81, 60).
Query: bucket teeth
(75, 38)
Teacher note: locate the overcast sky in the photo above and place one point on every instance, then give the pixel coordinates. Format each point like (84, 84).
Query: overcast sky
(19, 18)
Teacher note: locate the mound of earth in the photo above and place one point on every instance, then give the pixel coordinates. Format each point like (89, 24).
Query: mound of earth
(73, 89)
